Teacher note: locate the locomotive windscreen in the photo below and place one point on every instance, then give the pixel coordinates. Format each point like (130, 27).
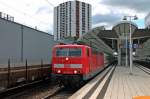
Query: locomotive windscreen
(68, 52)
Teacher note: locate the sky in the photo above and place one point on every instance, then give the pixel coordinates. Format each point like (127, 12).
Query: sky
(39, 13)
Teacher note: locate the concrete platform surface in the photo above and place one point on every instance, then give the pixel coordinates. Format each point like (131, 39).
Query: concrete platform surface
(126, 86)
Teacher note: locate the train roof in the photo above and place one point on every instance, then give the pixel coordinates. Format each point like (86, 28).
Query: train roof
(71, 45)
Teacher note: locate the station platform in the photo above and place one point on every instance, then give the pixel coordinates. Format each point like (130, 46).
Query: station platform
(123, 85)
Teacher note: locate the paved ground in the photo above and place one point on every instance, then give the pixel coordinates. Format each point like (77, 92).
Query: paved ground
(126, 86)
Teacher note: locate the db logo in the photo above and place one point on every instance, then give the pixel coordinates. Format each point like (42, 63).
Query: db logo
(141, 97)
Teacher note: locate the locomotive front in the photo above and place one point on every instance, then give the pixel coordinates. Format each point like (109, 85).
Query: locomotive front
(67, 63)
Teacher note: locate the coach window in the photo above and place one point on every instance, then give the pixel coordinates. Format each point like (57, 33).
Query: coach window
(87, 52)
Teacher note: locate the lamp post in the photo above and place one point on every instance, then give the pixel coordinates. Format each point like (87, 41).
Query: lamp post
(131, 57)
(126, 50)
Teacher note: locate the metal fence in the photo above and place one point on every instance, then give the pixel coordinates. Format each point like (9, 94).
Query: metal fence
(6, 16)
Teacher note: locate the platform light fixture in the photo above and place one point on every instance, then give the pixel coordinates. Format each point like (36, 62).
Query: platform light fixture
(115, 53)
(131, 54)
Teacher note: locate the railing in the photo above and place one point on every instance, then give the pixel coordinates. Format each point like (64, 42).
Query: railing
(6, 16)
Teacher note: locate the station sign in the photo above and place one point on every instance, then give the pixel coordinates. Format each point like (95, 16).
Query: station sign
(136, 46)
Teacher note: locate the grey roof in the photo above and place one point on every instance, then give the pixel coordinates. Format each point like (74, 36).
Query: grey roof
(125, 22)
(141, 33)
(94, 41)
(110, 34)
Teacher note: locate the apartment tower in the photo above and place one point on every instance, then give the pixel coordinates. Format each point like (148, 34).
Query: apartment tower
(71, 19)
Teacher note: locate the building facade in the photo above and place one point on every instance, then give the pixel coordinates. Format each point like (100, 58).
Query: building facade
(20, 43)
(71, 19)
(147, 21)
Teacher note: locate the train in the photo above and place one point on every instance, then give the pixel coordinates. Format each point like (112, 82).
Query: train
(74, 64)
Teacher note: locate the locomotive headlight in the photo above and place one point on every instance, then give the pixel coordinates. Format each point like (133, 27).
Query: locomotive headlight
(75, 71)
(58, 71)
(67, 58)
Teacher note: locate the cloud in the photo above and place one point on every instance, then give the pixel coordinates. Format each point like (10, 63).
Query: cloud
(109, 12)
(104, 12)
(44, 9)
(137, 5)
(109, 18)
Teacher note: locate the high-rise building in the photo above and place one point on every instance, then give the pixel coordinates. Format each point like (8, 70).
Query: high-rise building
(147, 21)
(71, 19)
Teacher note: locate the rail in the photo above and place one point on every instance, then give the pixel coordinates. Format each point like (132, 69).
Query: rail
(55, 92)
(144, 69)
(12, 91)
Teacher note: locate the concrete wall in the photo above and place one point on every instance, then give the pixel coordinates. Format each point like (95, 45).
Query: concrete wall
(10, 41)
(19, 42)
(37, 45)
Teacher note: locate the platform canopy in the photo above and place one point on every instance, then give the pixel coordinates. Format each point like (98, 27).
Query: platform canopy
(123, 27)
(141, 33)
(91, 39)
(106, 40)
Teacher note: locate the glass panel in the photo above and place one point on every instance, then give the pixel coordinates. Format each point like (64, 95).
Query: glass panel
(62, 51)
(68, 52)
(75, 52)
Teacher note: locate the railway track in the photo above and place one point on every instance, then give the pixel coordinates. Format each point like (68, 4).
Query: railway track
(143, 63)
(43, 90)
(64, 93)
(18, 89)
(39, 93)
(33, 91)
(145, 69)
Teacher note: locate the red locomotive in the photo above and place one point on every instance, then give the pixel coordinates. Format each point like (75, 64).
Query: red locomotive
(74, 64)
